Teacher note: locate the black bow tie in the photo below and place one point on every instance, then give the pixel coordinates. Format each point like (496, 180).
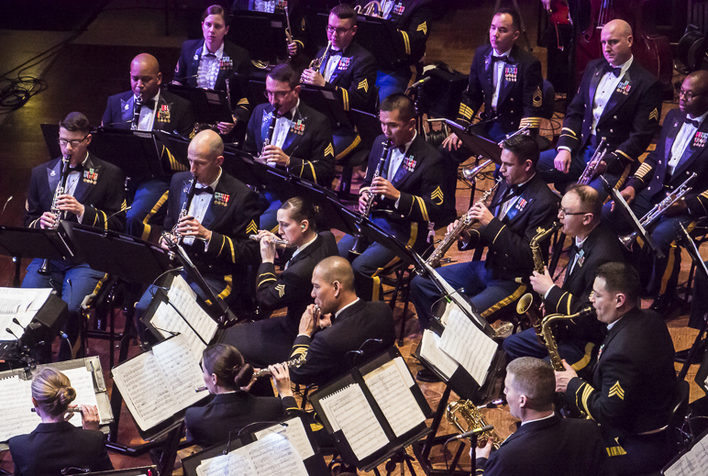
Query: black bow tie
(210, 55)
(692, 122)
(78, 168)
(611, 69)
(499, 58)
(198, 190)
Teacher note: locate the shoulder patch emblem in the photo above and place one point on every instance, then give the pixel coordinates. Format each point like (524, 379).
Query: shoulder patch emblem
(654, 114)
(616, 391)
(437, 196)
(252, 228)
(281, 290)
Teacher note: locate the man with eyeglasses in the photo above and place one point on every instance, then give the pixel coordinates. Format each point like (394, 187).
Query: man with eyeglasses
(93, 195)
(349, 71)
(145, 108)
(680, 151)
(299, 141)
(594, 243)
(617, 100)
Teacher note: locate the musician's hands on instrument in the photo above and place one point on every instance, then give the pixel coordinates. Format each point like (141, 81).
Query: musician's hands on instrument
(47, 220)
(189, 226)
(292, 48)
(280, 374)
(564, 376)
(628, 193)
(541, 283)
(452, 142)
(679, 207)
(70, 204)
(309, 322)
(462, 237)
(600, 169)
(273, 155)
(225, 127)
(89, 417)
(312, 77)
(364, 194)
(381, 186)
(483, 451)
(481, 213)
(562, 161)
(267, 243)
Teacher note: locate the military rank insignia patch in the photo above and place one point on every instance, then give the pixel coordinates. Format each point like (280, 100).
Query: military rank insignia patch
(437, 196)
(624, 87)
(221, 199)
(91, 176)
(616, 390)
(281, 290)
(163, 114)
(511, 72)
(699, 140)
(654, 114)
(252, 228)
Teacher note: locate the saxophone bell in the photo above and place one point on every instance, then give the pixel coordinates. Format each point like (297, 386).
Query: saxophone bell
(470, 173)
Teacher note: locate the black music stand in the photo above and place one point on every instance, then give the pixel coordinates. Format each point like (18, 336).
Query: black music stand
(50, 132)
(209, 106)
(141, 471)
(261, 34)
(477, 144)
(327, 102)
(21, 243)
(136, 153)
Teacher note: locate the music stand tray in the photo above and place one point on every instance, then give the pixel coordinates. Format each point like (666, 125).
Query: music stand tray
(137, 153)
(209, 106)
(476, 143)
(35, 243)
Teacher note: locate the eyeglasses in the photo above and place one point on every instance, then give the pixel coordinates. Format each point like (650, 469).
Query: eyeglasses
(73, 142)
(563, 212)
(688, 94)
(340, 31)
(276, 94)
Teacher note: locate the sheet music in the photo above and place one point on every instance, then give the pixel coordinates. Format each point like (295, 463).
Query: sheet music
(295, 433)
(467, 344)
(431, 353)
(20, 303)
(393, 395)
(155, 385)
(16, 416)
(349, 411)
(82, 381)
(694, 461)
(459, 298)
(273, 454)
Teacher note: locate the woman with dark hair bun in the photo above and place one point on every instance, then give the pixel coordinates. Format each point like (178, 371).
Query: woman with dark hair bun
(56, 444)
(269, 341)
(226, 376)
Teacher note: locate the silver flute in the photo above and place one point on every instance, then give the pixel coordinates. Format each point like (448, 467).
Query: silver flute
(277, 241)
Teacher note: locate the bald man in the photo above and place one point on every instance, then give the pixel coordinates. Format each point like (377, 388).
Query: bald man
(617, 100)
(680, 151)
(343, 323)
(223, 212)
(145, 107)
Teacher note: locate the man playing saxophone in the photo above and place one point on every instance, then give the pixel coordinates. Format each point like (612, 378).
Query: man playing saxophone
(544, 444)
(521, 205)
(92, 195)
(593, 244)
(681, 150)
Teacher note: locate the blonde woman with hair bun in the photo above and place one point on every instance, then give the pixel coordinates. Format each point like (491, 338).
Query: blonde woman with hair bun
(56, 444)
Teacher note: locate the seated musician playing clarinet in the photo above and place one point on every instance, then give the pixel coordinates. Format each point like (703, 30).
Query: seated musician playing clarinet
(594, 243)
(287, 133)
(618, 101)
(405, 189)
(80, 188)
(521, 205)
(663, 184)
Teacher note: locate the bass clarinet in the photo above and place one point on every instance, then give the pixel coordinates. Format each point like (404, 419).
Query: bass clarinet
(360, 243)
(54, 208)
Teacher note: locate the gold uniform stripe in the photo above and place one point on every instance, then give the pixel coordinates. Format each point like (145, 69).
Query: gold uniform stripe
(227, 290)
(585, 360)
(569, 131)
(355, 143)
(414, 235)
(406, 42)
(506, 301)
(146, 227)
(345, 99)
(265, 280)
(625, 155)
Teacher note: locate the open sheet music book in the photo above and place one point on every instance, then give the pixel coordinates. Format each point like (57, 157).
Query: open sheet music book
(693, 461)
(170, 316)
(158, 384)
(272, 454)
(16, 415)
(22, 303)
(373, 410)
(294, 431)
(431, 353)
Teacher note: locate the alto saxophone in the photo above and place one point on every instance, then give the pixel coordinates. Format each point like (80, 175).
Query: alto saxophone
(547, 334)
(473, 417)
(526, 304)
(463, 223)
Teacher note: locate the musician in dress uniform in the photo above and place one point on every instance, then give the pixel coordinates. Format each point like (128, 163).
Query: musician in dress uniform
(412, 22)
(269, 340)
(213, 63)
(93, 195)
(594, 243)
(682, 149)
(617, 100)
(57, 444)
(634, 382)
(506, 80)
(544, 444)
(349, 71)
(155, 110)
(521, 205)
(414, 188)
(285, 132)
(232, 408)
(337, 323)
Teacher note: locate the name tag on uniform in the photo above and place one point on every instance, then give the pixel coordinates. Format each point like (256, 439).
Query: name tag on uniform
(511, 71)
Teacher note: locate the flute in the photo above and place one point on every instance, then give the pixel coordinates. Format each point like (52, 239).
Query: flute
(277, 241)
(68, 410)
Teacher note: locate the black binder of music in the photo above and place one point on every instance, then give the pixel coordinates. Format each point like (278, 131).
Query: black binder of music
(209, 106)
(261, 34)
(314, 464)
(374, 411)
(136, 153)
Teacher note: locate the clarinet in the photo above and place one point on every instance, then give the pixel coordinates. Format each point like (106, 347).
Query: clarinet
(360, 243)
(54, 208)
(173, 237)
(137, 105)
(271, 127)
